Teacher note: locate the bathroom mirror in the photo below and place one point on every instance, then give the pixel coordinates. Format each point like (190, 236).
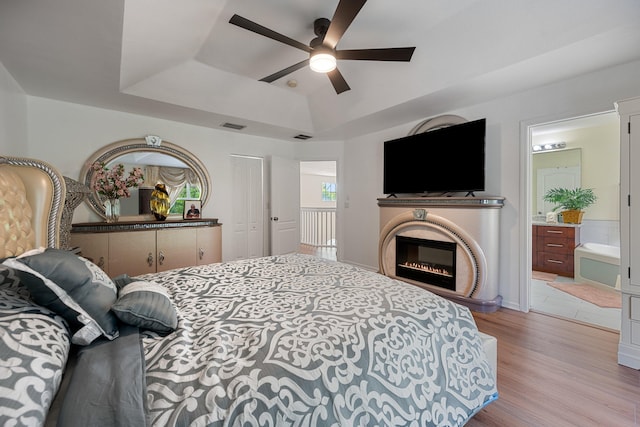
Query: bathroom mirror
(143, 153)
(552, 169)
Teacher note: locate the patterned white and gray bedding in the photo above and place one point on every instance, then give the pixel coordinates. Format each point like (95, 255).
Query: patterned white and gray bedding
(34, 347)
(298, 341)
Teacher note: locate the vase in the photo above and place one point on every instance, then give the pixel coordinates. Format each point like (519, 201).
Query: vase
(160, 203)
(112, 210)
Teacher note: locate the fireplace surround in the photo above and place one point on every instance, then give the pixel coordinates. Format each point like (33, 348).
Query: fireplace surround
(465, 228)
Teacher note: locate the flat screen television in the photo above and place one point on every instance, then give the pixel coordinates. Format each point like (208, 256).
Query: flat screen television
(445, 160)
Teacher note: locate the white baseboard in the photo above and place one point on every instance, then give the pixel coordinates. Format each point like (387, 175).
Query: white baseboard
(628, 355)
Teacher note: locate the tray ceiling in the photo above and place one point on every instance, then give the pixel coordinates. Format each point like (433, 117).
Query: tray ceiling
(183, 60)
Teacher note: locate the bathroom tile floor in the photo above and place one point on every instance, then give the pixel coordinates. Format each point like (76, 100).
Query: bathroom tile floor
(545, 299)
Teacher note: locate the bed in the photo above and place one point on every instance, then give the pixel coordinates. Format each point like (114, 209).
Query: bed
(289, 340)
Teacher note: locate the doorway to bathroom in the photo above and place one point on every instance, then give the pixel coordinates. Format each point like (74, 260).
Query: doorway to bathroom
(576, 152)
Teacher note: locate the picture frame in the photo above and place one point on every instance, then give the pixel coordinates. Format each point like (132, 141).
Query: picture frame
(192, 209)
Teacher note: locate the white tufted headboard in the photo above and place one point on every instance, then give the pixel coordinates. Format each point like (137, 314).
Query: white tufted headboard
(32, 195)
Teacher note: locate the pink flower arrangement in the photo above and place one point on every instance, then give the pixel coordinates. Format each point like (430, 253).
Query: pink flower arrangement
(114, 183)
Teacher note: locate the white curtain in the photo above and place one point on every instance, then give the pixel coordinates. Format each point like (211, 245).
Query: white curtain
(173, 179)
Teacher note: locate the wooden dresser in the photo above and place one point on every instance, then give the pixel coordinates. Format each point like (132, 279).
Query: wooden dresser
(141, 247)
(553, 246)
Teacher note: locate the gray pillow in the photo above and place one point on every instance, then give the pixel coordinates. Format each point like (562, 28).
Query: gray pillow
(147, 306)
(73, 287)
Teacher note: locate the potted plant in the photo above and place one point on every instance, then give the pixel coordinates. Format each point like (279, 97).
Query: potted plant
(572, 200)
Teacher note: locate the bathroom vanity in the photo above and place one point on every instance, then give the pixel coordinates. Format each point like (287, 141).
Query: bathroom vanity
(553, 247)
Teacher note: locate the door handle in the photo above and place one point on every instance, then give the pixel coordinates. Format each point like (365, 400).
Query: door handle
(274, 218)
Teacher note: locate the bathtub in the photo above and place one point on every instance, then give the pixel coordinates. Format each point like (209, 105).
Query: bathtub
(597, 264)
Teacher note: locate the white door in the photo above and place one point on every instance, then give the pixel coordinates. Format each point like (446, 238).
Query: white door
(634, 195)
(247, 224)
(548, 178)
(285, 205)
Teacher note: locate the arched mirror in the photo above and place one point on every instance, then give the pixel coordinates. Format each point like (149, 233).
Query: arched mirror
(437, 123)
(158, 160)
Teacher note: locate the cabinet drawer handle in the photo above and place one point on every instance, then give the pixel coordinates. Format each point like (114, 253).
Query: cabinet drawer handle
(160, 257)
(555, 245)
(554, 232)
(555, 261)
(201, 253)
(150, 259)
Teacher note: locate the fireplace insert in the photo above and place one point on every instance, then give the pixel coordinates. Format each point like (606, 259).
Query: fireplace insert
(427, 261)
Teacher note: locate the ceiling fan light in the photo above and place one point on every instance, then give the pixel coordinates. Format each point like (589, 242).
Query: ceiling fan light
(322, 62)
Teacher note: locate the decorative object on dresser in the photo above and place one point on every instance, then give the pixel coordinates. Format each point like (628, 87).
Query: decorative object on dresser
(160, 202)
(112, 209)
(553, 248)
(573, 200)
(113, 183)
(191, 209)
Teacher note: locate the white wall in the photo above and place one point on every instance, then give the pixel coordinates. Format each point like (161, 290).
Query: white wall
(13, 116)
(506, 165)
(311, 191)
(66, 134)
(601, 163)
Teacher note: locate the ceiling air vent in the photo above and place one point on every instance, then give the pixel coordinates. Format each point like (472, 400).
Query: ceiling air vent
(233, 126)
(302, 136)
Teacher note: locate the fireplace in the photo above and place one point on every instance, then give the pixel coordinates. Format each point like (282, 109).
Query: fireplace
(427, 261)
(447, 245)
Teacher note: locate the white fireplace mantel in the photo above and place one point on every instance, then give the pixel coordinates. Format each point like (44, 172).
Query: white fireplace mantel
(473, 223)
(446, 202)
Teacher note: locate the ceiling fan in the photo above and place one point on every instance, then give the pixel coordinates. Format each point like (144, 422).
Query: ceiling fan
(322, 49)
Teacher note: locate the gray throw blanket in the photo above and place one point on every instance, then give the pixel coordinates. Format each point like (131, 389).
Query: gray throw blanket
(108, 384)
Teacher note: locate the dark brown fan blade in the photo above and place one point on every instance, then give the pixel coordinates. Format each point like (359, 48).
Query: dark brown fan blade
(338, 82)
(264, 31)
(343, 17)
(384, 54)
(275, 76)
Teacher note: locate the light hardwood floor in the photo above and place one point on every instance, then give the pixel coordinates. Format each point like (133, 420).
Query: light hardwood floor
(556, 372)
(322, 252)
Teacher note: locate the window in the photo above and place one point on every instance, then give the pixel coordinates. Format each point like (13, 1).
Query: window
(328, 191)
(188, 192)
